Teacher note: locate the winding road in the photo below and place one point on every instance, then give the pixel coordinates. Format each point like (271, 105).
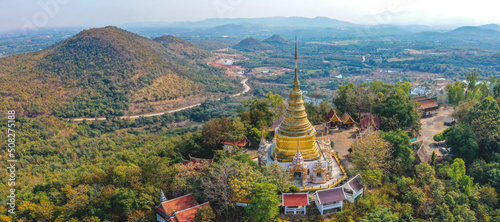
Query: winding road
(243, 82)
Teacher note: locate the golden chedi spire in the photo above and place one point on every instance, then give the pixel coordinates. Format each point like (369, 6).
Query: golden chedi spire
(296, 127)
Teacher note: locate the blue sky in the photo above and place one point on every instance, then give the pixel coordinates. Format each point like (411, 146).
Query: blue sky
(19, 14)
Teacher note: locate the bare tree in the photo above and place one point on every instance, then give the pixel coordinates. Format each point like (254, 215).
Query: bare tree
(370, 157)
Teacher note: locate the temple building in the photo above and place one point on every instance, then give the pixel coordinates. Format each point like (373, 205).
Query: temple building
(296, 147)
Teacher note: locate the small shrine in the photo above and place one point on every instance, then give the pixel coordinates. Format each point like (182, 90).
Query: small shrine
(332, 119)
(347, 120)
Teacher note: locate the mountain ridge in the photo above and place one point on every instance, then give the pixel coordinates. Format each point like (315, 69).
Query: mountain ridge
(107, 71)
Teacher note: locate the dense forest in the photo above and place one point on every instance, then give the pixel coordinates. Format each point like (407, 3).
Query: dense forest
(114, 170)
(108, 72)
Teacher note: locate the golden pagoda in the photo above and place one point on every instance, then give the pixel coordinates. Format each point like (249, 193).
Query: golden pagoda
(295, 128)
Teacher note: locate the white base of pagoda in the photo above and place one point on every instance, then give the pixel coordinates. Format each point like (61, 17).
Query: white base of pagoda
(336, 173)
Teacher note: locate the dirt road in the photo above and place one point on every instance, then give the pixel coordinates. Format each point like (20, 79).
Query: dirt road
(243, 82)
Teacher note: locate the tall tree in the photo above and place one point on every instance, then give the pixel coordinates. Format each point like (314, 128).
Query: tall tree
(484, 119)
(402, 154)
(461, 141)
(458, 176)
(370, 157)
(399, 109)
(265, 202)
(472, 79)
(455, 93)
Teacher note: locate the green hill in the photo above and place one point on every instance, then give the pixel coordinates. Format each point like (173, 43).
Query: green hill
(277, 40)
(108, 71)
(182, 47)
(252, 44)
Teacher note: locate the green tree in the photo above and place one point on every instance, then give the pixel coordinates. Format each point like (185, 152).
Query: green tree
(398, 110)
(461, 141)
(216, 131)
(204, 214)
(381, 214)
(484, 119)
(472, 79)
(455, 93)
(425, 174)
(457, 173)
(402, 154)
(264, 202)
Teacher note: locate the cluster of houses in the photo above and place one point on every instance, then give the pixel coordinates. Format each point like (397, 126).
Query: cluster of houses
(328, 201)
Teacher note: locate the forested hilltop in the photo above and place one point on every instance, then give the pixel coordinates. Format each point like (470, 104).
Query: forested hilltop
(106, 72)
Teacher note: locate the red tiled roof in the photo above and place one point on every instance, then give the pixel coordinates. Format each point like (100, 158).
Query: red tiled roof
(331, 195)
(331, 115)
(367, 122)
(173, 219)
(428, 103)
(171, 206)
(188, 215)
(239, 143)
(418, 98)
(295, 199)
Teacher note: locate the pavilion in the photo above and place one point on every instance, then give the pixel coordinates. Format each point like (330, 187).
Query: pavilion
(330, 199)
(295, 203)
(332, 119)
(353, 188)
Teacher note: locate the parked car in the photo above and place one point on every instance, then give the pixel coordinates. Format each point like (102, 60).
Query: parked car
(452, 123)
(445, 150)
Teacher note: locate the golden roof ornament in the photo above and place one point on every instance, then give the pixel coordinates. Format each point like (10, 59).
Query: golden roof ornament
(296, 127)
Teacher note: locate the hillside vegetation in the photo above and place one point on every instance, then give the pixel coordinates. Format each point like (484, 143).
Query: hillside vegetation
(101, 72)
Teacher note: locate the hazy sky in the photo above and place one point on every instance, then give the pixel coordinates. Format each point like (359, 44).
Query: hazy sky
(25, 14)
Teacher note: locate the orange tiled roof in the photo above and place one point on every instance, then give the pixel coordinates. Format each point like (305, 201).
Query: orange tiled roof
(418, 98)
(295, 199)
(171, 206)
(173, 219)
(428, 103)
(239, 143)
(188, 215)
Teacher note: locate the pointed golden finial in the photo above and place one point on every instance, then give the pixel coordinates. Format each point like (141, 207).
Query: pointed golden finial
(296, 77)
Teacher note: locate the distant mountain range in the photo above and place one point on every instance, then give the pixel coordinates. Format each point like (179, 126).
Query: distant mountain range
(107, 71)
(483, 34)
(278, 21)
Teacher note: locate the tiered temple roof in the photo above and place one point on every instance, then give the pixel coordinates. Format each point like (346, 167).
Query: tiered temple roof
(332, 117)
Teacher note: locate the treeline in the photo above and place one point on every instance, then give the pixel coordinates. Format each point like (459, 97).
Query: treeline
(210, 109)
(70, 175)
(391, 103)
(401, 190)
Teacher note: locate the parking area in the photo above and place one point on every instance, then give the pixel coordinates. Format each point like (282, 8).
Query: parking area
(434, 125)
